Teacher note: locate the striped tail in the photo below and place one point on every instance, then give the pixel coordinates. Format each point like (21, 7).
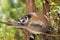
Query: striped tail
(32, 37)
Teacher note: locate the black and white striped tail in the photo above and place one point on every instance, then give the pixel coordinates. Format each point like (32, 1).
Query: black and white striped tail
(32, 37)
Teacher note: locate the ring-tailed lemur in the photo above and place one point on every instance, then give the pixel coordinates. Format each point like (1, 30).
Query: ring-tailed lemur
(24, 21)
(33, 18)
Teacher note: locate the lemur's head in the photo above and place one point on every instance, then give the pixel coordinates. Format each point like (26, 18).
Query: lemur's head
(25, 19)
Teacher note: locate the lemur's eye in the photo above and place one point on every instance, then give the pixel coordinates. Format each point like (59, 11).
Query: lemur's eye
(26, 17)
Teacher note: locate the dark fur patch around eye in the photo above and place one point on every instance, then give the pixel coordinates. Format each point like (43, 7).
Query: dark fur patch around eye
(26, 17)
(22, 23)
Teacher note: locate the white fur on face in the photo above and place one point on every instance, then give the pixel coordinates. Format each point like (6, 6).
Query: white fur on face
(24, 20)
(21, 20)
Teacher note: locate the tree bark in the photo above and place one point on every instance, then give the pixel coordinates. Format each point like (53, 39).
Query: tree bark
(30, 6)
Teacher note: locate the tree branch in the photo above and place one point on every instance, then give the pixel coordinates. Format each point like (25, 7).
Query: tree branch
(18, 25)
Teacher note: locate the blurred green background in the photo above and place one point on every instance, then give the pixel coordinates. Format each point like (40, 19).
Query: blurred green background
(8, 10)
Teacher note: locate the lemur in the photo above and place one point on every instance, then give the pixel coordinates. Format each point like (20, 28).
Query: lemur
(39, 23)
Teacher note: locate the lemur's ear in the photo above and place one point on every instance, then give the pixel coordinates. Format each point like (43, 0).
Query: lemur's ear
(28, 15)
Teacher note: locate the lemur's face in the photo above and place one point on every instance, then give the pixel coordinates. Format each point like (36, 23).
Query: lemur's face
(25, 19)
